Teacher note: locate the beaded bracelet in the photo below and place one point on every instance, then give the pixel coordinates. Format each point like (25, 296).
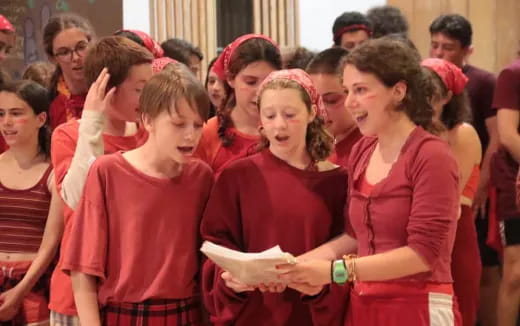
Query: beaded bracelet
(350, 261)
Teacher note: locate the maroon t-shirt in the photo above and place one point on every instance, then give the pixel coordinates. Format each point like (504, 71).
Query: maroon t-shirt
(480, 87)
(343, 148)
(3, 145)
(505, 168)
(259, 202)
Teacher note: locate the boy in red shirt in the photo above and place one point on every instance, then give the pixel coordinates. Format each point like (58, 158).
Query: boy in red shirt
(121, 256)
(108, 124)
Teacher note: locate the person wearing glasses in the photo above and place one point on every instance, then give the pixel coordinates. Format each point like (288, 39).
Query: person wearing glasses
(66, 39)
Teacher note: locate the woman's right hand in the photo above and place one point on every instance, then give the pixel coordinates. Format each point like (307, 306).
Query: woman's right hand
(234, 284)
(98, 99)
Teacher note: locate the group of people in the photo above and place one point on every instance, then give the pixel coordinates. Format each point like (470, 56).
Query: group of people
(383, 173)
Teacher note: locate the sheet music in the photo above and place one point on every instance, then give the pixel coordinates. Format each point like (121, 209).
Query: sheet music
(248, 268)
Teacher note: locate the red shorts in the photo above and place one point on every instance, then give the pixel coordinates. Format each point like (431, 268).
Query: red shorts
(402, 304)
(34, 307)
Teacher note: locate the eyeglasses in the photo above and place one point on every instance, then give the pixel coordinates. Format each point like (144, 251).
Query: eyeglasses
(65, 54)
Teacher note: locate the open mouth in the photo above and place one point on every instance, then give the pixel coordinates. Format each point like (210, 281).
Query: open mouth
(361, 117)
(9, 133)
(186, 150)
(77, 68)
(281, 138)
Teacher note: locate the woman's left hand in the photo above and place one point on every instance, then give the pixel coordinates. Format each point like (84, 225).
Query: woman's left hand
(312, 272)
(10, 302)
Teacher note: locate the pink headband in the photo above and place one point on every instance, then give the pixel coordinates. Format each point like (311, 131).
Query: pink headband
(159, 64)
(451, 75)
(351, 28)
(149, 43)
(5, 24)
(221, 66)
(304, 80)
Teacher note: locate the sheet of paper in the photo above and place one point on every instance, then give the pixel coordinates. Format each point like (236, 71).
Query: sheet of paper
(249, 268)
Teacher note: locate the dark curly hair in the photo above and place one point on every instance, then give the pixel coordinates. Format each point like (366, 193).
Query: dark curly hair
(348, 19)
(328, 62)
(457, 110)
(297, 58)
(256, 49)
(181, 50)
(391, 61)
(387, 20)
(454, 26)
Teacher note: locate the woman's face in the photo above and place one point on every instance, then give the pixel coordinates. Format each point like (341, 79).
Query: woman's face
(339, 119)
(19, 124)
(215, 89)
(69, 48)
(371, 103)
(246, 82)
(284, 117)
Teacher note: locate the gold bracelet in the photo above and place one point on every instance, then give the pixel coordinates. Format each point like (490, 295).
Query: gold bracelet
(350, 261)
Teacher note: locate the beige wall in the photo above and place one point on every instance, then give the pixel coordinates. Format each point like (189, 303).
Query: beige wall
(496, 27)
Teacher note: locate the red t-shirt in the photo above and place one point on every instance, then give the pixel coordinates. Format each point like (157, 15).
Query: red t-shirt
(211, 150)
(505, 168)
(65, 108)
(135, 232)
(259, 202)
(64, 140)
(344, 147)
(416, 205)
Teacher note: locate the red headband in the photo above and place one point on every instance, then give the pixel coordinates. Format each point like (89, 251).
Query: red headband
(159, 64)
(221, 66)
(5, 24)
(352, 28)
(451, 75)
(304, 80)
(149, 43)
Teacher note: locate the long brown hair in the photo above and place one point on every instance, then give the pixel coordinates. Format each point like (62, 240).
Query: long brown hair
(250, 51)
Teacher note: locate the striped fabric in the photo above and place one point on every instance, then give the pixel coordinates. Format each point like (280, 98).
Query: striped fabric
(154, 312)
(23, 214)
(58, 319)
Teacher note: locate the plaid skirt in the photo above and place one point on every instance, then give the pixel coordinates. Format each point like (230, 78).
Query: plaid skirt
(154, 312)
(58, 319)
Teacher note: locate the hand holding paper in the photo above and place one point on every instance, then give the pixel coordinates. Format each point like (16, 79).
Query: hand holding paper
(248, 268)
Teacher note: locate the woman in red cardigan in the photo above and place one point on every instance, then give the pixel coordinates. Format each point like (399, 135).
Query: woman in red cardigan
(403, 199)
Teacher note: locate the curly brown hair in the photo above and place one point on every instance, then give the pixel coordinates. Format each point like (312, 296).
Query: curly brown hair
(392, 61)
(457, 109)
(318, 141)
(250, 51)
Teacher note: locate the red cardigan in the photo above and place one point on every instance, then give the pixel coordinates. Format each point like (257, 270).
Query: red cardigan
(416, 205)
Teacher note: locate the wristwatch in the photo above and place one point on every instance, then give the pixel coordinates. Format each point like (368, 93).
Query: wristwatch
(339, 272)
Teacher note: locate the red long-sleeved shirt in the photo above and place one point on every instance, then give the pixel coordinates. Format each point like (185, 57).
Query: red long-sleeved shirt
(259, 202)
(416, 205)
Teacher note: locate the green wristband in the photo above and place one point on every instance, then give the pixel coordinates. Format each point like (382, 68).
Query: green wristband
(339, 272)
